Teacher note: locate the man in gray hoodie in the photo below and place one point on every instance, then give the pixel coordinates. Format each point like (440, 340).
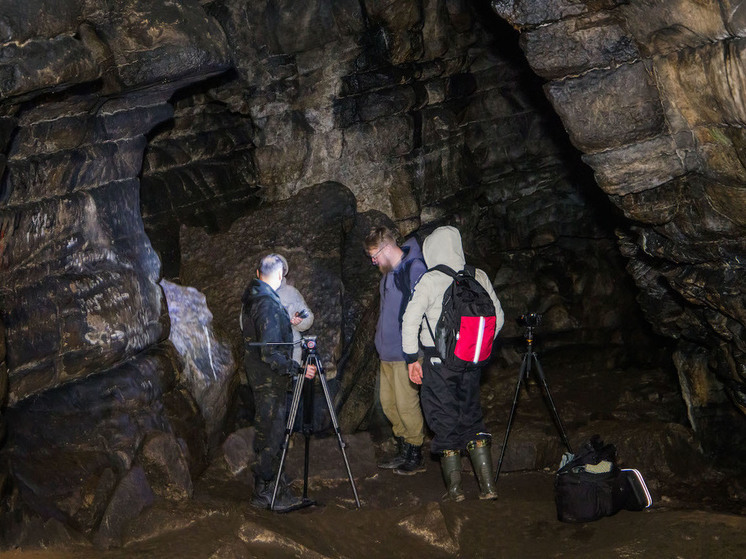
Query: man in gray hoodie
(450, 399)
(401, 268)
(301, 316)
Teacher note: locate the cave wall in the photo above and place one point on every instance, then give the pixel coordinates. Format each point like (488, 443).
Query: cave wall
(93, 386)
(651, 93)
(427, 113)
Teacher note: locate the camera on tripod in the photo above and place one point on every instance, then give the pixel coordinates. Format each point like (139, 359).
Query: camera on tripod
(308, 343)
(531, 320)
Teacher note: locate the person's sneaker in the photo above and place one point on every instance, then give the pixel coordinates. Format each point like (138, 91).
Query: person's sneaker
(414, 461)
(398, 459)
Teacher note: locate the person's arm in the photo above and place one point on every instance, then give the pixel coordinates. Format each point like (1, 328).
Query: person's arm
(307, 322)
(268, 330)
(295, 303)
(412, 319)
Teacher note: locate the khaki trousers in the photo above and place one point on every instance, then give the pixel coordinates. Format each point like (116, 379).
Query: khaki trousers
(400, 400)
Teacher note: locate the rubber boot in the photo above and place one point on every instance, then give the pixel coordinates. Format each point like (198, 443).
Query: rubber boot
(450, 465)
(481, 459)
(398, 459)
(414, 462)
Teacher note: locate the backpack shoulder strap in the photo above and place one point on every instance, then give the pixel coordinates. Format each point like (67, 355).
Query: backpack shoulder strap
(444, 269)
(447, 270)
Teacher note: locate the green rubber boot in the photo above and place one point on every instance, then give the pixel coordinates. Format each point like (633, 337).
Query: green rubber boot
(450, 464)
(481, 459)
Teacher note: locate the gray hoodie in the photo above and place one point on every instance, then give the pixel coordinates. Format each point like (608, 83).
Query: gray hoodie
(294, 302)
(442, 246)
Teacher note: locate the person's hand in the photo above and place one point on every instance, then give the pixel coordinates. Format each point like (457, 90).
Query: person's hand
(296, 320)
(415, 372)
(310, 371)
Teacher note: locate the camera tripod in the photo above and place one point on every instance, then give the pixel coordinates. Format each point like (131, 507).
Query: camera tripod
(311, 358)
(523, 375)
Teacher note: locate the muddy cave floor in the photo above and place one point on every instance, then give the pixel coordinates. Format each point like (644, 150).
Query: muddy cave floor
(699, 509)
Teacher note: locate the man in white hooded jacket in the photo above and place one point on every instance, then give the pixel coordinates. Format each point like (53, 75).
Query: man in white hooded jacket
(450, 399)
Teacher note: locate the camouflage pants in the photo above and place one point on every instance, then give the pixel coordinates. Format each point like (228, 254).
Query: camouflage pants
(270, 401)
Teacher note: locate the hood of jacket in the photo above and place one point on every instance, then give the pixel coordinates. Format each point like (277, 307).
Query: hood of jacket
(443, 246)
(411, 249)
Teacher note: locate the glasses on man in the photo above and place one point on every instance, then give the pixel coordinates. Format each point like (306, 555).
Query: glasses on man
(373, 257)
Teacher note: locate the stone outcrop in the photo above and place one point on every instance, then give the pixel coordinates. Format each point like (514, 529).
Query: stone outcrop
(91, 375)
(207, 365)
(650, 92)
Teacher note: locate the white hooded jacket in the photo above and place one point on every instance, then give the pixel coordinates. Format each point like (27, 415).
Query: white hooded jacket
(442, 246)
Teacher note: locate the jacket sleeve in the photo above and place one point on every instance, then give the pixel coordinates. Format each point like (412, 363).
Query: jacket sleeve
(307, 322)
(268, 330)
(296, 304)
(412, 319)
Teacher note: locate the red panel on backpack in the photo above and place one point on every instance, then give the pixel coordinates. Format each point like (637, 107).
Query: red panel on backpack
(475, 337)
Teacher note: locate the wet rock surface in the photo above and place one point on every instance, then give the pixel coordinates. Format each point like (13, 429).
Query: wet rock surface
(207, 366)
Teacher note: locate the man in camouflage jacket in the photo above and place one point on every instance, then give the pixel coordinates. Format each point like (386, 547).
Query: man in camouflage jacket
(269, 369)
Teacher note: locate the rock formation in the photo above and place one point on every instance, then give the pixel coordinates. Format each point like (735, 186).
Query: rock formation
(650, 92)
(93, 380)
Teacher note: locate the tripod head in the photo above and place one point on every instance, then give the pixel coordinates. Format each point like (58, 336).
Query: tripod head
(529, 321)
(308, 343)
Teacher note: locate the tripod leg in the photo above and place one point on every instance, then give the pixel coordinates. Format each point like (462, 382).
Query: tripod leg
(307, 430)
(552, 407)
(525, 366)
(333, 416)
(288, 431)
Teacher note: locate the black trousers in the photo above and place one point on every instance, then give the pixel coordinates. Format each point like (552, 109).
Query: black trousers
(450, 404)
(270, 419)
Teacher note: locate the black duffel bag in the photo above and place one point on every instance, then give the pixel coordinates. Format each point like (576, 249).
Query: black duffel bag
(590, 485)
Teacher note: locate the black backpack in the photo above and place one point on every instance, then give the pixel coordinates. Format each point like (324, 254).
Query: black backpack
(466, 328)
